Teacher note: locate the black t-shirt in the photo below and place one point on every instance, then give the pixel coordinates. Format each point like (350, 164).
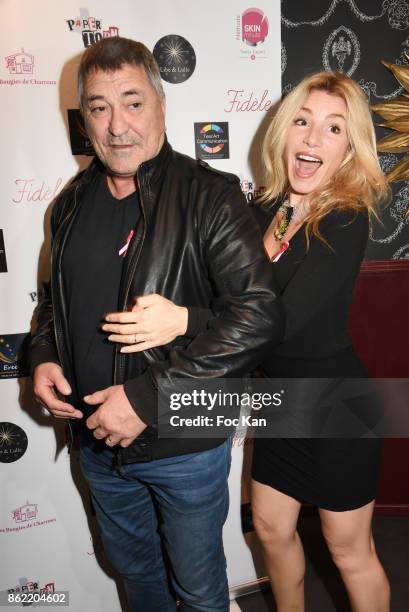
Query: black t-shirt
(92, 268)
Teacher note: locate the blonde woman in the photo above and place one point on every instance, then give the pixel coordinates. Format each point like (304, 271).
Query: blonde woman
(323, 182)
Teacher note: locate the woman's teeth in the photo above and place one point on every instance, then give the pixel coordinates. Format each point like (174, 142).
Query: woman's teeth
(307, 165)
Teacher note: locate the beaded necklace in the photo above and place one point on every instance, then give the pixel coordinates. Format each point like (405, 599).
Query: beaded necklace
(287, 211)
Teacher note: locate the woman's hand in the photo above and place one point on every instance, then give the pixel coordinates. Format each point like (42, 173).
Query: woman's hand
(153, 321)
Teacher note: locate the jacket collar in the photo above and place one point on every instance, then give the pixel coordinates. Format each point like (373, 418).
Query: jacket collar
(150, 173)
(149, 176)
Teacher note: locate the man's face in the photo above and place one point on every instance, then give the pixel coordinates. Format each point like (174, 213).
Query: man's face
(124, 118)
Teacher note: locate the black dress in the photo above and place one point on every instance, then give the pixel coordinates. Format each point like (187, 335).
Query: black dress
(316, 288)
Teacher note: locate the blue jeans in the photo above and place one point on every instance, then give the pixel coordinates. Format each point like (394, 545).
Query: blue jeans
(161, 522)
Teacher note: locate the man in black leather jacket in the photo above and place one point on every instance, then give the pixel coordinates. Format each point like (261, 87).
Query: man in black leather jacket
(193, 241)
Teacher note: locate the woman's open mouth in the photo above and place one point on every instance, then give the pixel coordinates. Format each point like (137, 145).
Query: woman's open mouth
(307, 165)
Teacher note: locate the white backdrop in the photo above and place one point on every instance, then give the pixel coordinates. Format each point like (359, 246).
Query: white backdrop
(45, 535)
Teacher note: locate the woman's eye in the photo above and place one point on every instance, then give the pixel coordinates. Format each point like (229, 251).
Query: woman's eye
(135, 105)
(300, 121)
(335, 129)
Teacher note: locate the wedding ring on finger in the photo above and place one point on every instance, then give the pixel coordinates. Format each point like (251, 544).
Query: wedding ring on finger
(44, 409)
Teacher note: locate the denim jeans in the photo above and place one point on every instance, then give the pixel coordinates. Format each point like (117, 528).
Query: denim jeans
(161, 522)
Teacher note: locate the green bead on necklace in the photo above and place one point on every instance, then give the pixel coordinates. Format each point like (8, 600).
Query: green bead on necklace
(287, 211)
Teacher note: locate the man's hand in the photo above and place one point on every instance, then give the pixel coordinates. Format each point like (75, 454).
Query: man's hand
(115, 419)
(153, 321)
(49, 378)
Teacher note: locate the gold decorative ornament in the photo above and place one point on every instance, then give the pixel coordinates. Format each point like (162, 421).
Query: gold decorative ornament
(396, 115)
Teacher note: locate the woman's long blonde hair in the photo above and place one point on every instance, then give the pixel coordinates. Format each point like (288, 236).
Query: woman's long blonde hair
(359, 183)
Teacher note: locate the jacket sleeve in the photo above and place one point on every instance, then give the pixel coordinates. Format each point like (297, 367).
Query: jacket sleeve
(197, 320)
(325, 270)
(249, 316)
(42, 346)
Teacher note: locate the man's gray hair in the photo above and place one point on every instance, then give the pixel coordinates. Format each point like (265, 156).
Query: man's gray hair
(113, 53)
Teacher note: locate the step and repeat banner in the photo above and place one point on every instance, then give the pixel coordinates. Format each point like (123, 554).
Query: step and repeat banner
(220, 63)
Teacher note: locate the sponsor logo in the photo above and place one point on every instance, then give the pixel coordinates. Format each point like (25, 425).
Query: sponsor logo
(13, 442)
(250, 190)
(26, 517)
(30, 190)
(175, 57)
(241, 101)
(252, 31)
(24, 513)
(212, 140)
(13, 362)
(32, 586)
(80, 143)
(90, 28)
(3, 260)
(22, 63)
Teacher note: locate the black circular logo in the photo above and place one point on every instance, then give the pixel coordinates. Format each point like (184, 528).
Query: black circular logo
(175, 57)
(13, 442)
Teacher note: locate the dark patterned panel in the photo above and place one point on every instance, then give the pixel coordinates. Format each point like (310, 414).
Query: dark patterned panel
(353, 36)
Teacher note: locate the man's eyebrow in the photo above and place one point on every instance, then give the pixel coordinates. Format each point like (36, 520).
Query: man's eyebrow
(124, 94)
(131, 92)
(94, 97)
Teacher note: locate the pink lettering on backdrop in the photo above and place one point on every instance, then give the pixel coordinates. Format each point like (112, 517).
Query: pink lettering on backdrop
(240, 102)
(30, 190)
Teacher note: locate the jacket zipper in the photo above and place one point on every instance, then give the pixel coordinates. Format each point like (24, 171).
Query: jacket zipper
(131, 273)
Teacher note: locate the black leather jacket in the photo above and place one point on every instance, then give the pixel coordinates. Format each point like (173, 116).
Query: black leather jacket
(200, 247)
